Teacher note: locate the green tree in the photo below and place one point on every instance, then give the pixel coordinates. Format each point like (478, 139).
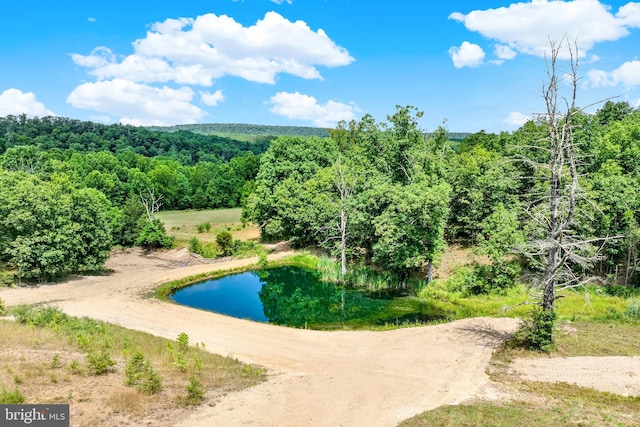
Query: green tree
(153, 236)
(225, 243)
(410, 231)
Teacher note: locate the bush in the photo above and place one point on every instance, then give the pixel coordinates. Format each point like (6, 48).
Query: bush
(621, 291)
(496, 278)
(225, 243)
(195, 393)
(99, 363)
(134, 370)
(140, 373)
(3, 311)
(633, 308)
(244, 247)
(154, 236)
(206, 251)
(195, 246)
(536, 333)
(11, 397)
(204, 227)
(6, 278)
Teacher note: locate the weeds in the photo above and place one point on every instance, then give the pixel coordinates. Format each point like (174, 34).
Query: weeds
(11, 397)
(55, 361)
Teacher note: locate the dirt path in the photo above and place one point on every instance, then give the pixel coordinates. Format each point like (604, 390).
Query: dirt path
(315, 378)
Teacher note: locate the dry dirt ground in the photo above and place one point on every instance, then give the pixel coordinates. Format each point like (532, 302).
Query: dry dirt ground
(315, 378)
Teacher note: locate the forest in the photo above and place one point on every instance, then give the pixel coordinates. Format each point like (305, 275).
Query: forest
(70, 190)
(384, 194)
(388, 195)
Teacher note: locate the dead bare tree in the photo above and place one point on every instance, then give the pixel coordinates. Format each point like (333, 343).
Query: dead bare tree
(151, 202)
(563, 255)
(345, 184)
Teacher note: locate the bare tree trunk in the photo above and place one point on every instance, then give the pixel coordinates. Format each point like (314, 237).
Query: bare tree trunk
(151, 202)
(562, 194)
(343, 242)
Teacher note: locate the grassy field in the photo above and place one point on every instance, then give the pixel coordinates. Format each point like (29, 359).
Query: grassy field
(55, 358)
(184, 224)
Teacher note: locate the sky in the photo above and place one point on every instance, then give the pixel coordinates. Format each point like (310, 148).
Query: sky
(468, 65)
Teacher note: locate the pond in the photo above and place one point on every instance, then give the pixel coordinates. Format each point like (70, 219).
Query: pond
(294, 296)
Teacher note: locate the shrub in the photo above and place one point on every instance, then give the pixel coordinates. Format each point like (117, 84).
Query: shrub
(621, 291)
(225, 243)
(195, 246)
(11, 397)
(140, 373)
(205, 226)
(134, 370)
(183, 342)
(3, 311)
(99, 363)
(633, 308)
(151, 380)
(195, 392)
(55, 361)
(6, 278)
(496, 278)
(154, 236)
(536, 333)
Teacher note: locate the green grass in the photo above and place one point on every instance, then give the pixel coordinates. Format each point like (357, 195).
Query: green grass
(587, 304)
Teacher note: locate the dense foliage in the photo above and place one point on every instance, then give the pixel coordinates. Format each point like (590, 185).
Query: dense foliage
(390, 193)
(83, 136)
(70, 190)
(385, 193)
(376, 190)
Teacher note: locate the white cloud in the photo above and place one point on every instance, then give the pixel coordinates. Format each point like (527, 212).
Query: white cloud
(505, 52)
(629, 14)
(15, 102)
(527, 27)
(137, 104)
(628, 74)
(211, 99)
(282, 1)
(517, 119)
(91, 19)
(305, 107)
(199, 50)
(467, 55)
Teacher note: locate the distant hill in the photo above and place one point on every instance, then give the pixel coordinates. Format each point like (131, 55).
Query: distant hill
(250, 132)
(244, 131)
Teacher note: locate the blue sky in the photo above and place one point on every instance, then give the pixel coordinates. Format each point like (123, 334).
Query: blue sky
(479, 65)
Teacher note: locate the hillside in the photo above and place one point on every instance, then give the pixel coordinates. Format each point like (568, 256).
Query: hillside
(245, 132)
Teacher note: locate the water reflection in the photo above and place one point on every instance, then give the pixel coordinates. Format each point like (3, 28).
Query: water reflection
(289, 296)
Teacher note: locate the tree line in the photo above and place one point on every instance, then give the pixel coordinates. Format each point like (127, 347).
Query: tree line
(70, 190)
(387, 194)
(63, 133)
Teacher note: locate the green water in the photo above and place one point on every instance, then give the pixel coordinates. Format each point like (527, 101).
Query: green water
(294, 296)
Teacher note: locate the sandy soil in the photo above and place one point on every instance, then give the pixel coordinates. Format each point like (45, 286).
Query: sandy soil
(315, 378)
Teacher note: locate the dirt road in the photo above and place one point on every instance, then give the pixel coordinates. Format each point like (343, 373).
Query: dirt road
(315, 378)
